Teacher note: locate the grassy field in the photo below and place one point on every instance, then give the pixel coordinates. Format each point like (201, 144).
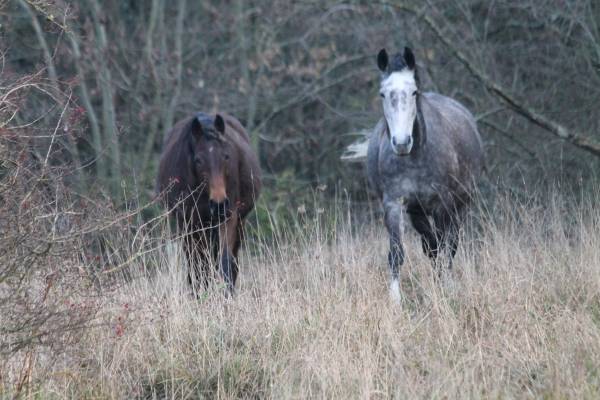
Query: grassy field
(518, 317)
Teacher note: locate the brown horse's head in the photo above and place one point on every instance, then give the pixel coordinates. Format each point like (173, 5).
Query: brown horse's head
(212, 158)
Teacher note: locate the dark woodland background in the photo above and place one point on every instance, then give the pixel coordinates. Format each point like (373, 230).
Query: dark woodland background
(94, 85)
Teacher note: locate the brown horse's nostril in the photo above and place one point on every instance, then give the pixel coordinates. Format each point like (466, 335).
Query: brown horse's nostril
(219, 209)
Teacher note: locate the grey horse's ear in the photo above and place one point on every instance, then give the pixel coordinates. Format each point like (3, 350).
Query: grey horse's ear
(219, 124)
(382, 60)
(196, 128)
(409, 57)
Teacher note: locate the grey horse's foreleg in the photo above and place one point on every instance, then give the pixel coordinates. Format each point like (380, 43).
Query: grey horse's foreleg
(442, 234)
(447, 225)
(452, 239)
(429, 238)
(396, 253)
(394, 224)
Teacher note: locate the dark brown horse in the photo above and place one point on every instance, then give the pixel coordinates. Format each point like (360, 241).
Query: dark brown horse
(209, 178)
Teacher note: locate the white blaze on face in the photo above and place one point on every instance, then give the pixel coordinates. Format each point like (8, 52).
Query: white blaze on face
(400, 108)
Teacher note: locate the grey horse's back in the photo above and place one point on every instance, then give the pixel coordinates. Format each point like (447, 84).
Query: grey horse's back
(454, 137)
(443, 111)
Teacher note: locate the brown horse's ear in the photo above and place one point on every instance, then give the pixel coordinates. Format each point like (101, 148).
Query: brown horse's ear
(196, 128)
(219, 124)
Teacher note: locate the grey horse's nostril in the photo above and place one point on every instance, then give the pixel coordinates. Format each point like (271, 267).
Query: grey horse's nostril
(407, 141)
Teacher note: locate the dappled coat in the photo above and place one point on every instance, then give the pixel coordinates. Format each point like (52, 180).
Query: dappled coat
(441, 177)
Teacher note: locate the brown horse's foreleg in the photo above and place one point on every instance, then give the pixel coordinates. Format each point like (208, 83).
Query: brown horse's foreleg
(195, 250)
(229, 244)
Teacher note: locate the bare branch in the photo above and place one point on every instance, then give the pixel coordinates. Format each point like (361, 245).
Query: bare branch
(519, 107)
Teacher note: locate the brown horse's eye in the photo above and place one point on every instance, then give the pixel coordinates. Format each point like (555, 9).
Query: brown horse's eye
(226, 157)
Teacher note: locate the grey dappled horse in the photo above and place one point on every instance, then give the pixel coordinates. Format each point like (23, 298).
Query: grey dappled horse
(423, 159)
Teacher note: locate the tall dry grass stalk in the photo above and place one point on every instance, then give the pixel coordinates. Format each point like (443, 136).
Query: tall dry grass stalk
(517, 317)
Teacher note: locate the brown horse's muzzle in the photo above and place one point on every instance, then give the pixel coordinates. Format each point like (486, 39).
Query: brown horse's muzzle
(218, 201)
(219, 209)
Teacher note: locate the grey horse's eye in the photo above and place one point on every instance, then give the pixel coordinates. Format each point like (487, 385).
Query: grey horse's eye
(382, 95)
(415, 92)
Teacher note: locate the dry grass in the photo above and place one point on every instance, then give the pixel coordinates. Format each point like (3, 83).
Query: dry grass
(518, 317)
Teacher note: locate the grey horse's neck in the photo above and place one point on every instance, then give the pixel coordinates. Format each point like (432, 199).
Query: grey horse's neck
(419, 127)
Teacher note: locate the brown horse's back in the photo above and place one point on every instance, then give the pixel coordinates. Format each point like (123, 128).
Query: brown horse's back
(236, 126)
(250, 183)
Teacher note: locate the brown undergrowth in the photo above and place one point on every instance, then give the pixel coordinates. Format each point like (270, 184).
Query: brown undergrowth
(517, 317)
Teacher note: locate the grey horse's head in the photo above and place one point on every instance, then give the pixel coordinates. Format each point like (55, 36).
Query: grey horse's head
(399, 91)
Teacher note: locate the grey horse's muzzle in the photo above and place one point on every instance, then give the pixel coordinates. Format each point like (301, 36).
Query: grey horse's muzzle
(402, 149)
